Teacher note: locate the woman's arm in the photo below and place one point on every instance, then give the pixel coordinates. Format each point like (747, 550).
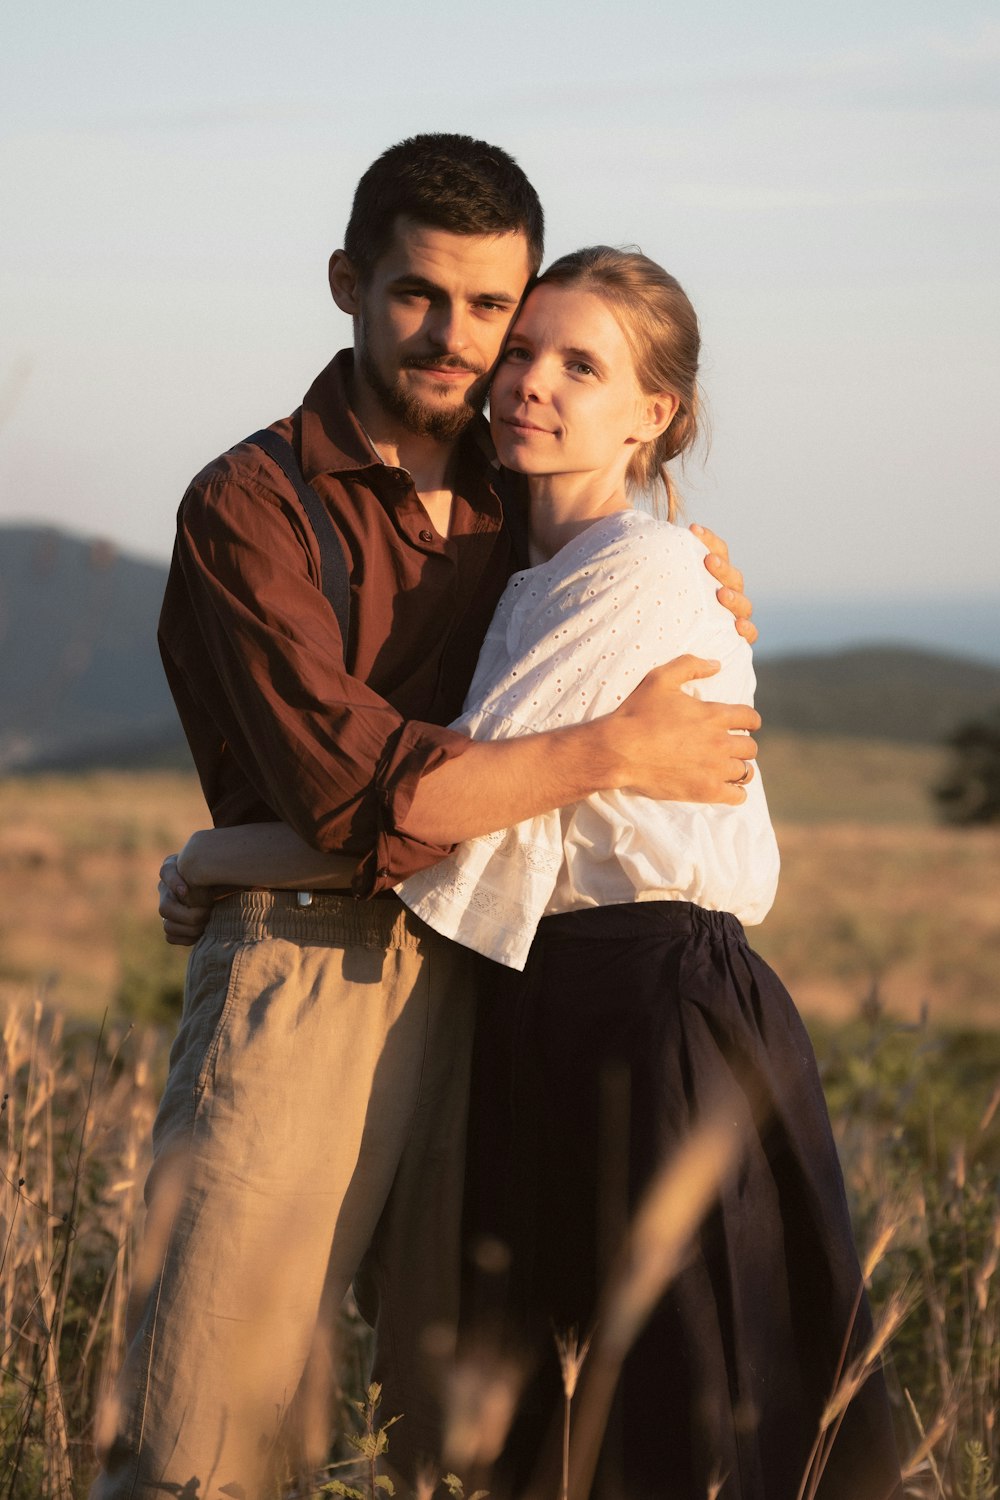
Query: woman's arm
(261, 854)
(256, 854)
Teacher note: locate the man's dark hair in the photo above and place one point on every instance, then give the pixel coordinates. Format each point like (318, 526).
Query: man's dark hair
(449, 182)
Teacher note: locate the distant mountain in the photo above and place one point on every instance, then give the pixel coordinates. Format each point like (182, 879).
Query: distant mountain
(81, 682)
(80, 676)
(963, 626)
(876, 692)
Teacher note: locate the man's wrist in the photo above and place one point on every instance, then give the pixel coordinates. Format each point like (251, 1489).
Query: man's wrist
(605, 747)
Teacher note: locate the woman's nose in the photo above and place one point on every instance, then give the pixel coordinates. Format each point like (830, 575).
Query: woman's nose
(529, 383)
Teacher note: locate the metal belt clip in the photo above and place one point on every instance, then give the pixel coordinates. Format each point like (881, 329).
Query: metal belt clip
(304, 898)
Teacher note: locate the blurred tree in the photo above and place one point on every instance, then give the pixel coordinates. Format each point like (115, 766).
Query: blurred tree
(969, 791)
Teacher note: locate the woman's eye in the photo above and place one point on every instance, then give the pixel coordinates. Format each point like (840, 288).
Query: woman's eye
(515, 354)
(580, 368)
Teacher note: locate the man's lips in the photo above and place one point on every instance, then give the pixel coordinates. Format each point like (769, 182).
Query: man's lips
(444, 369)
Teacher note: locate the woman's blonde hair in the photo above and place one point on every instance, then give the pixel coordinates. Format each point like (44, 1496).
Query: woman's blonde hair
(662, 331)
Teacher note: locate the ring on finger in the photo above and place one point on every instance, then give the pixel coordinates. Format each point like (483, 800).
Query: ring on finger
(747, 773)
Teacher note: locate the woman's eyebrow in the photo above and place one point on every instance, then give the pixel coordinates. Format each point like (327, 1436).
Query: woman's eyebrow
(585, 356)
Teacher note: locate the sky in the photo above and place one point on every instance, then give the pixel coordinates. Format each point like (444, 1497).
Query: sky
(822, 180)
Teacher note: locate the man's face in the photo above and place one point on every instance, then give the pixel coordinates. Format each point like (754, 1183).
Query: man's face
(430, 322)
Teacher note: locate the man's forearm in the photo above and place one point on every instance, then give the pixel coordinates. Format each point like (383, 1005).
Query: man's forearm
(661, 743)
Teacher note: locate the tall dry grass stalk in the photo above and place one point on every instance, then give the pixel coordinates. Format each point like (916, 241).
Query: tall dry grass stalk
(74, 1131)
(675, 1205)
(572, 1355)
(916, 1129)
(73, 1113)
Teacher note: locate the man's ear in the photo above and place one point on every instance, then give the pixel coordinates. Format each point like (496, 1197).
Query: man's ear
(345, 284)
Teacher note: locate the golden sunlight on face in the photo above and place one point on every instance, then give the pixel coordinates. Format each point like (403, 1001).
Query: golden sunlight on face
(565, 398)
(432, 320)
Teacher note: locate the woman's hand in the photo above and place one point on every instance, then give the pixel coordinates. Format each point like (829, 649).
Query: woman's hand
(184, 909)
(730, 595)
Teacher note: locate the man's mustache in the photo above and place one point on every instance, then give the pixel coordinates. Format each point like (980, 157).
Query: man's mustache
(441, 362)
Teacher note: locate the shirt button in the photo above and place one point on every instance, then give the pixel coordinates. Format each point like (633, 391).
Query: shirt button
(426, 536)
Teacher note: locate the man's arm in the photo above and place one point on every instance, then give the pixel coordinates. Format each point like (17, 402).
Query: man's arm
(319, 748)
(661, 743)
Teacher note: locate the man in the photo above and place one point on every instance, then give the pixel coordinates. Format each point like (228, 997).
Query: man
(314, 1112)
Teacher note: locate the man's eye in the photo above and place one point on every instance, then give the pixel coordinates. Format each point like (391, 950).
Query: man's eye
(492, 307)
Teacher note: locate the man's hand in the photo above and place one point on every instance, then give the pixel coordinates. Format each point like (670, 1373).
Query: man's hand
(683, 749)
(730, 595)
(184, 909)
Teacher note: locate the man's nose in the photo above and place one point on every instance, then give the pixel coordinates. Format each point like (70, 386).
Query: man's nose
(449, 329)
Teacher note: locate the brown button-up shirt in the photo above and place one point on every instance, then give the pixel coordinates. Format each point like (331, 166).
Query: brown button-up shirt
(284, 720)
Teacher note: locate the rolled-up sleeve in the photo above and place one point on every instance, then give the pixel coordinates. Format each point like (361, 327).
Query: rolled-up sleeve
(327, 754)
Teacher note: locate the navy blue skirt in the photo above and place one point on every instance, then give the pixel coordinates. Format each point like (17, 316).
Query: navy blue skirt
(591, 1068)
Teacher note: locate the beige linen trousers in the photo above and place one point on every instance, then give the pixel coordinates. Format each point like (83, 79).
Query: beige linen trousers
(313, 1124)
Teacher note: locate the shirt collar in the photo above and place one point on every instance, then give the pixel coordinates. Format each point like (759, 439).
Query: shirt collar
(333, 439)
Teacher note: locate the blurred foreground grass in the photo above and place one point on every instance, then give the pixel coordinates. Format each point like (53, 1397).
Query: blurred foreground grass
(914, 1109)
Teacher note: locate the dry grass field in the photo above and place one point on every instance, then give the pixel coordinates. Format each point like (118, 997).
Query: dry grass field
(78, 865)
(871, 890)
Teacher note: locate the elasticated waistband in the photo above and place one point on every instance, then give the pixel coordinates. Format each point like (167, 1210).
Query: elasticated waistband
(248, 916)
(638, 920)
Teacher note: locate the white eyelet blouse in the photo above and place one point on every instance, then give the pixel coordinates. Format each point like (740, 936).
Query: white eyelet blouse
(569, 641)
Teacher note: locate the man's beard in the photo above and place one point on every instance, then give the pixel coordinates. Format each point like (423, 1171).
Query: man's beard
(421, 417)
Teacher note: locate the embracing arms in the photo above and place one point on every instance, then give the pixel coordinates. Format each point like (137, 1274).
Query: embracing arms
(661, 742)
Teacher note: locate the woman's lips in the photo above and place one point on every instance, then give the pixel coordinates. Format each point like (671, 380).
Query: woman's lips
(518, 424)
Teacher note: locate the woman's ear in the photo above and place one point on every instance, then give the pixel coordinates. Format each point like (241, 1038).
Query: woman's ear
(344, 283)
(656, 414)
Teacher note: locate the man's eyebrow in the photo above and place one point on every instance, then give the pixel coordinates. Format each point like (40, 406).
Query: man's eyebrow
(411, 282)
(417, 283)
(509, 299)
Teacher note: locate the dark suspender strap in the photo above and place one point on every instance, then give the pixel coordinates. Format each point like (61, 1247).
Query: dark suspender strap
(333, 567)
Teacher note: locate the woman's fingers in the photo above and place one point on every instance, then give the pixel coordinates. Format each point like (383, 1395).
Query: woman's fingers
(730, 595)
(184, 910)
(170, 877)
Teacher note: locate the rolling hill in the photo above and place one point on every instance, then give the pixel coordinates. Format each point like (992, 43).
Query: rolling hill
(81, 683)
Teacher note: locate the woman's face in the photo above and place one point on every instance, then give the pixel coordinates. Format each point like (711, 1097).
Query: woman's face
(565, 398)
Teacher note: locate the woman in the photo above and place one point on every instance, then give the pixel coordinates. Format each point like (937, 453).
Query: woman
(623, 986)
